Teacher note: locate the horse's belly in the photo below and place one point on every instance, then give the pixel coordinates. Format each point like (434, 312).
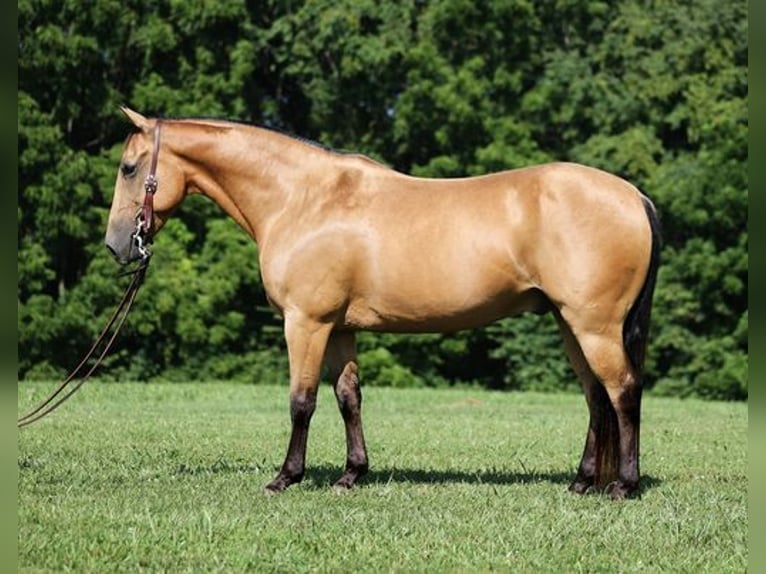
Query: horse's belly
(440, 312)
(440, 282)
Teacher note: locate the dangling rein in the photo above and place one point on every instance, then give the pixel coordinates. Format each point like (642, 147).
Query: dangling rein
(142, 236)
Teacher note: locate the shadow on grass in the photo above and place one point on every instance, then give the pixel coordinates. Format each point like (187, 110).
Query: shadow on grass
(325, 476)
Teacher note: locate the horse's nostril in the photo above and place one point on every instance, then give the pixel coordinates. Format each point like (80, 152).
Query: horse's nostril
(112, 251)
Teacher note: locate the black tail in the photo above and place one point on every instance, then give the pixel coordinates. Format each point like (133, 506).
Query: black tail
(635, 331)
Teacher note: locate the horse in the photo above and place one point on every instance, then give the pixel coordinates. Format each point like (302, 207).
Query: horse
(347, 244)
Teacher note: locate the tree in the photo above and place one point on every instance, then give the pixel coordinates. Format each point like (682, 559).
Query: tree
(656, 93)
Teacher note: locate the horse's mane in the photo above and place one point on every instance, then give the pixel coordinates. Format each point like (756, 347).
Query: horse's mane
(217, 122)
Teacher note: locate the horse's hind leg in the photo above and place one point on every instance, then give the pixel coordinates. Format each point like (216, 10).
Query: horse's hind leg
(344, 371)
(613, 393)
(597, 437)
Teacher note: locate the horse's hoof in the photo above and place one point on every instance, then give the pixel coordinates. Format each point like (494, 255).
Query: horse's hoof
(350, 477)
(619, 490)
(581, 486)
(277, 486)
(273, 489)
(344, 484)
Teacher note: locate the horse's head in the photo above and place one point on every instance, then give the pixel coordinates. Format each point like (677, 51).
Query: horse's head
(129, 189)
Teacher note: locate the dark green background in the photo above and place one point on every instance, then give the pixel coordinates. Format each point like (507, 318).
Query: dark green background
(655, 92)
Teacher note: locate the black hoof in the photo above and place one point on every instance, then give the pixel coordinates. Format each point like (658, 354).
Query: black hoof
(581, 485)
(345, 482)
(280, 483)
(349, 478)
(619, 490)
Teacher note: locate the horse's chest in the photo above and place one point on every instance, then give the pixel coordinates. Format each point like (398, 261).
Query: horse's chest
(313, 282)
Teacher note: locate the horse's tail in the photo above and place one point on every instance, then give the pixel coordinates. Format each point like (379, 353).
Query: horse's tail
(635, 331)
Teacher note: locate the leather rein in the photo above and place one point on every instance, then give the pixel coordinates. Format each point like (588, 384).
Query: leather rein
(142, 237)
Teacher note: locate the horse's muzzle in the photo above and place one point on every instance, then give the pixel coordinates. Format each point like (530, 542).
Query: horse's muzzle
(123, 253)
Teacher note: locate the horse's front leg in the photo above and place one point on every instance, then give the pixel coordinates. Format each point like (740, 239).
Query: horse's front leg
(306, 343)
(344, 371)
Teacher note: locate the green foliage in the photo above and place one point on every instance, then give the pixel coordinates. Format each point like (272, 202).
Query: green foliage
(656, 93)
(383, 369)
(532, 354)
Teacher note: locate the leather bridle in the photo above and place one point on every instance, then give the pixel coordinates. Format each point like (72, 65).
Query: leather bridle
(142, 237)
(145, 219)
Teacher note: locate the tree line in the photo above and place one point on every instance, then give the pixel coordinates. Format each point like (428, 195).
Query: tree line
(655, 92)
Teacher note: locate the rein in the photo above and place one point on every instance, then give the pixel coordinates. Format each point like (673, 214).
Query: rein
(142, 237)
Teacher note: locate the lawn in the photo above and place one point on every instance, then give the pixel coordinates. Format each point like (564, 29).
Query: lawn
(169, 478)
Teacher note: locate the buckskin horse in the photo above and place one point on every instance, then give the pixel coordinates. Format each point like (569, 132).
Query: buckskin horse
(347, 244)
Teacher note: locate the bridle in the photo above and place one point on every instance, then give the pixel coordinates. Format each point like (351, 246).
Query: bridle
(142, 237)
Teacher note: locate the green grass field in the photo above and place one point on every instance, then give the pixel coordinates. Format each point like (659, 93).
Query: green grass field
(169, 478)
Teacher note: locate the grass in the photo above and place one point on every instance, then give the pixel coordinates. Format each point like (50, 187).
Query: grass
(132, 477)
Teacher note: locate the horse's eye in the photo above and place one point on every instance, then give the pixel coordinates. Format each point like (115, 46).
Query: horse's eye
(128, 169)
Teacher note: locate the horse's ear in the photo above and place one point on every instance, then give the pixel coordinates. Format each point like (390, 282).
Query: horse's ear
(138, 120)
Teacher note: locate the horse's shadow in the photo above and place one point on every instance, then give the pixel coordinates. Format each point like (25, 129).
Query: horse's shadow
(324, 476)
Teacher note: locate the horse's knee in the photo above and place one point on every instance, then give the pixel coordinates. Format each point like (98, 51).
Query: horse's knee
(302, 406)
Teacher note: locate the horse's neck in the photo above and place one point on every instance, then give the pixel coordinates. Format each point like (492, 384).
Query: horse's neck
(249, 172)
